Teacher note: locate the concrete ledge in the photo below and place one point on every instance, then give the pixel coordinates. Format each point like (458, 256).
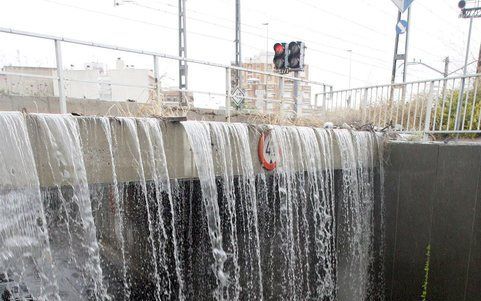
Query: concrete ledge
(97, 154)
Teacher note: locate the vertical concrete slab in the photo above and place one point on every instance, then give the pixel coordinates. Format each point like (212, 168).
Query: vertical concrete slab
(411, 169)
(453, 215)
(473, 283)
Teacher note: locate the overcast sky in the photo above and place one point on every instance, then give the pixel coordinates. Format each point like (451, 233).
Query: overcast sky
(329, 28)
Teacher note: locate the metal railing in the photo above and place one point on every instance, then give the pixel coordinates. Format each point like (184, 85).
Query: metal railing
(62, 80)
(446, 105)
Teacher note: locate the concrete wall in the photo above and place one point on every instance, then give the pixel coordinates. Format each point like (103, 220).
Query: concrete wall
(432, 195)
(97, 158)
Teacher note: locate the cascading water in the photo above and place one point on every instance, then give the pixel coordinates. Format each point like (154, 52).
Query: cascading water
(118, 226)
(303, 223)
(107, 203)
(155, 161)
(25, 256)
(201, 143)
(68, 208)
(234, 162)
(356, 214)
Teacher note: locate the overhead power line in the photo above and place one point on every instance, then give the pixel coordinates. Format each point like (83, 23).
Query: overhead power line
(311, 42)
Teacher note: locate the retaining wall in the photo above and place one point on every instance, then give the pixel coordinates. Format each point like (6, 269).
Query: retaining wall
(432, 197)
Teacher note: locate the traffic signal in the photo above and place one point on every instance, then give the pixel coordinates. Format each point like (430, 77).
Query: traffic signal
(296, 56)
(280, 56)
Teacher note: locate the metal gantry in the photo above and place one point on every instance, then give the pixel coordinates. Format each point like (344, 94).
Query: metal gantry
(183, 68)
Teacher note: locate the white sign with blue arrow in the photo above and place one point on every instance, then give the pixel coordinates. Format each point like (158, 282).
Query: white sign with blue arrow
(403, 4)
(402, 27)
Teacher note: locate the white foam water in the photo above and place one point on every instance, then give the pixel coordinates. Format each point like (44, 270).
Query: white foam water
(118, 229)
(107, 203)
(68, 208)
(200, 140)
(25, 255)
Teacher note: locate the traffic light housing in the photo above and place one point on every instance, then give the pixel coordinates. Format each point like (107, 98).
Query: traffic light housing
(295, 58)
(280, 55)
(289, 57)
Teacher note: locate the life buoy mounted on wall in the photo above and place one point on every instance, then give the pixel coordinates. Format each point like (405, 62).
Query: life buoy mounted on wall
(266, 152)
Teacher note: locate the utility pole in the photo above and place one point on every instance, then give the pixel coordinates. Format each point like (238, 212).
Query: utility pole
(406, 46)
(458, 125)
(396, 48)
(238, 45)
(478, 69)
(350, 67)
(446, 66)
(183, 68)
(398, 56)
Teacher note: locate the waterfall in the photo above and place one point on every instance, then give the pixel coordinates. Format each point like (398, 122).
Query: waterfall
(356, 213)
(107, 203)
(157, 165)
(201, 143)
(68, 208)
(96, 208)
(25, 254)
(233, 157)
(303, 225)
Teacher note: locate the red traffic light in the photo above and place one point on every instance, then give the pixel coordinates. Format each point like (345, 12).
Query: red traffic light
(278, 48)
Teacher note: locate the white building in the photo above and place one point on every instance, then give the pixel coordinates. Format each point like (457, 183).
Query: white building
(123, 83)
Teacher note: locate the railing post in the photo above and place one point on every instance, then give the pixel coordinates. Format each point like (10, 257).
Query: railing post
(228, 72)
(429, 105)
(458, 126)
(61, 80)
(364, 106)
(157, 80)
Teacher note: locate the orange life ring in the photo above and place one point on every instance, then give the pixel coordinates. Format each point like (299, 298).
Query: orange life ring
(260, 152)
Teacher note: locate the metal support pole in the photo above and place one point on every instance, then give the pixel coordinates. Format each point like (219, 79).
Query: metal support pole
(446, 66)
(61, 80)
(364, 107)
(297, 108)
(266, 67)
(183, 69)
(350, 67)
(238, 44)
(281, 96)
(478, 68)
(157, 80)
(324, 99)
(446, 73)
(228, 90)
(429, 107)
(396, 48)
(394, 62)
(406, 46)
(457, 125)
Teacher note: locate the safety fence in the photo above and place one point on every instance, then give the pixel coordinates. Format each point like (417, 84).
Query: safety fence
(256, 89)
(446, 105)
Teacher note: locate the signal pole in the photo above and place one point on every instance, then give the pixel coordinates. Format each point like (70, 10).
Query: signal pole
(397, 56)
(446, 66)
(183, 68)
(238, 45)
